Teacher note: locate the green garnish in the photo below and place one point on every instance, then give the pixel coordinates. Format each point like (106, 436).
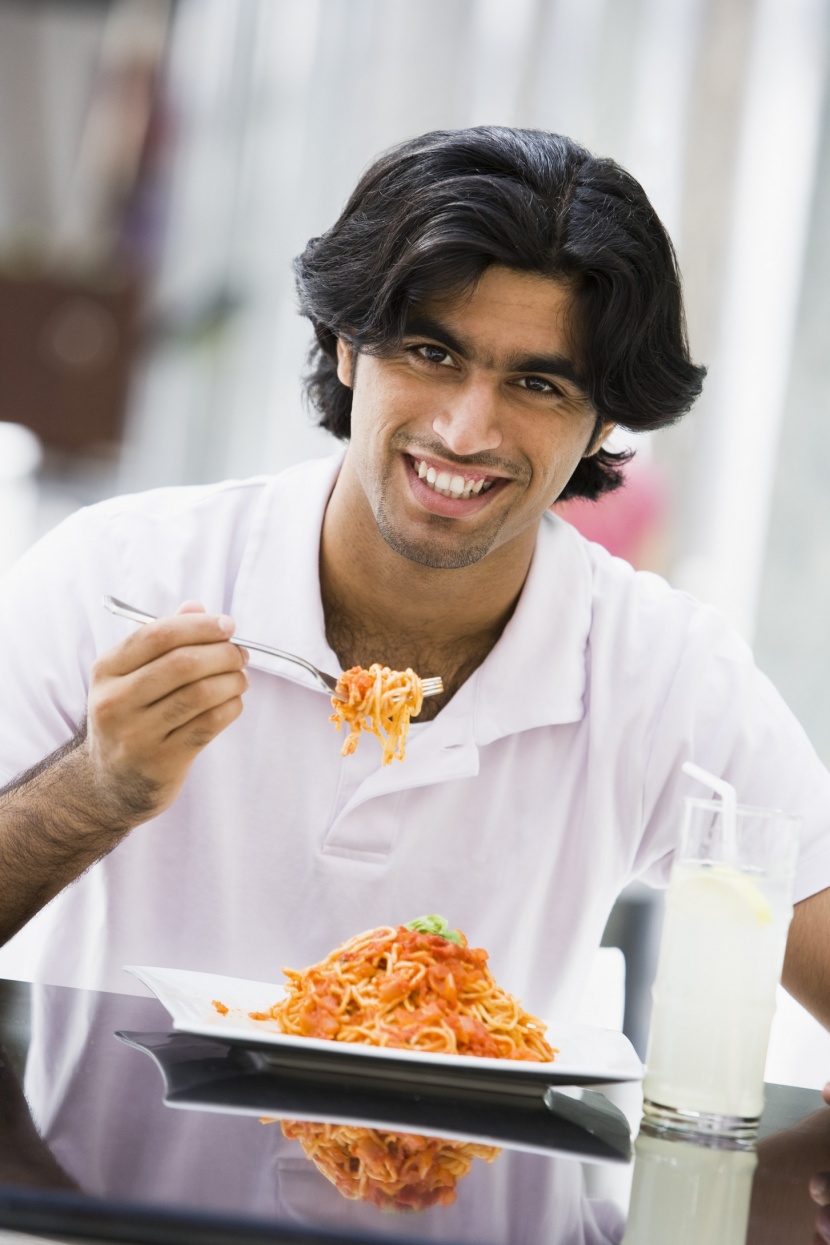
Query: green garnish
(434, 924)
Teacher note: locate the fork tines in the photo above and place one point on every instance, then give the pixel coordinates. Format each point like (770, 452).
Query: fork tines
(432, 687)
(429, 687)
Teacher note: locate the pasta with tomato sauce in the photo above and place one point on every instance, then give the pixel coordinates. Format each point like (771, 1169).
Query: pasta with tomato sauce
(413, 988)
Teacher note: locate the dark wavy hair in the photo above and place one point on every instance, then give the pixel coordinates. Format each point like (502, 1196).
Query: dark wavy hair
(429, 216)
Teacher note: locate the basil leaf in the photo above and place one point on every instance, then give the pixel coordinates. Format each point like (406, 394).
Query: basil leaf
(434, 924)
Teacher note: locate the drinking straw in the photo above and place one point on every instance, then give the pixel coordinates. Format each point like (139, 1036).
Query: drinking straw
(728, 808)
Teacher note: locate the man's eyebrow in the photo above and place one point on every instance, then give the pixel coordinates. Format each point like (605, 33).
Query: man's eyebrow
(551, 364)
(425, 326)
(548, 364)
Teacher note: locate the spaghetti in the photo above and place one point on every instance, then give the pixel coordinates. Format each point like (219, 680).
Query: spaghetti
(402, 987)
(393, 1171)
(378, 700)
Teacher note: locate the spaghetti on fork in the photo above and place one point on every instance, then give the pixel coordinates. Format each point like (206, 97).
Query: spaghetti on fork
(378, 700)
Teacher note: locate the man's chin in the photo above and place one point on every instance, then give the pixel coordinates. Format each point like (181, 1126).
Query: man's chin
(432, 553)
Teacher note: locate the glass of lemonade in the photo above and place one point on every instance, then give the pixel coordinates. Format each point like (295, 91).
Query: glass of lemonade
(728, 908)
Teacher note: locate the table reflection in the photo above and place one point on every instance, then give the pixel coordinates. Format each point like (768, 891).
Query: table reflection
(101, 1126)
(100, 1122)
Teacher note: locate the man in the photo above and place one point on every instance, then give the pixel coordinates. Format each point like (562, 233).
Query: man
(488, 306)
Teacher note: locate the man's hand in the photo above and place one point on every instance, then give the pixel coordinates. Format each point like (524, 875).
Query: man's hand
(154, 702)
(789, 1194)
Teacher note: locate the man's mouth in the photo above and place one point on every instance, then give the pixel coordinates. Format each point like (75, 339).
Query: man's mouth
(451, 484)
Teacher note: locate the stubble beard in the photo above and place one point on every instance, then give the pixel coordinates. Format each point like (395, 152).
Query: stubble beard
(428, 552)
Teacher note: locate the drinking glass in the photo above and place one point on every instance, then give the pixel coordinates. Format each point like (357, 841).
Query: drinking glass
(728, 908)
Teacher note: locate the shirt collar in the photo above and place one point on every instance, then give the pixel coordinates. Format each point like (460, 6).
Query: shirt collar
(535, 674)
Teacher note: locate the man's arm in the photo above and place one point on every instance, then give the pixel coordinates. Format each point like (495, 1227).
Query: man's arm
(806, 972)
(155, 701)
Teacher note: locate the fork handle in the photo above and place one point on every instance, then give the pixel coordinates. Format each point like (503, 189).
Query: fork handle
(127, 611)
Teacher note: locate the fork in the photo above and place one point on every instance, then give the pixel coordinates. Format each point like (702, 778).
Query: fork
(430, 687)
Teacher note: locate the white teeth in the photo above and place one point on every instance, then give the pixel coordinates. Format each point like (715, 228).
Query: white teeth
(451, 485)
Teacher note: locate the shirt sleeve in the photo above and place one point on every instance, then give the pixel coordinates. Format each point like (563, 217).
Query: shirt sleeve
(722, 713)
(52, 626)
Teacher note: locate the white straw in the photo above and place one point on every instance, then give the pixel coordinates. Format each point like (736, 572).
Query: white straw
(729, 810)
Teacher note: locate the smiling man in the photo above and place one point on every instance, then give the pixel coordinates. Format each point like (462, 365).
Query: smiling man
(488, 306)
(485, 420)
(462, 437)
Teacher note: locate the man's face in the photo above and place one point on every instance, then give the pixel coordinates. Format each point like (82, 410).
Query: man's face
(465, 436)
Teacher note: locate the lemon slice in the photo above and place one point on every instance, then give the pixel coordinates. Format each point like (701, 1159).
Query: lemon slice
(720, 883)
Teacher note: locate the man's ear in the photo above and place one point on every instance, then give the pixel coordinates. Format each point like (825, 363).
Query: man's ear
(598, 438)
(345, 362)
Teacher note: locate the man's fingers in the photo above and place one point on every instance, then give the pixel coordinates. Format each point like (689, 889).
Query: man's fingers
(115, 703)
(159, 637)
(191, 607)
(187, 703)
(148, 730)
(177, 670)
(200, 730)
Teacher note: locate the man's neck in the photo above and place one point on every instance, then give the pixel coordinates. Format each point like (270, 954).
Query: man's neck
(382, 607)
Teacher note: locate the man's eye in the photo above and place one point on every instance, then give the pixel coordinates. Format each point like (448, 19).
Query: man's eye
(433, 354)
(538, 384)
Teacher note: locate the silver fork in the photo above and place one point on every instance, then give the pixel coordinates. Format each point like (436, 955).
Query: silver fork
(431, 687)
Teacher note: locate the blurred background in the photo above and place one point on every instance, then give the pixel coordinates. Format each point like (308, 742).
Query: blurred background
(161, 161)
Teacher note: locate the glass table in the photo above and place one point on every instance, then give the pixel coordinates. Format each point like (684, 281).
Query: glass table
(115, 1128)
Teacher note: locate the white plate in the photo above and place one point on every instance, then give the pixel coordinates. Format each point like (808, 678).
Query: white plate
(587, 1056)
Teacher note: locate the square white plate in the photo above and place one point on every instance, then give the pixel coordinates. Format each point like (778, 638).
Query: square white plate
(587, 1056)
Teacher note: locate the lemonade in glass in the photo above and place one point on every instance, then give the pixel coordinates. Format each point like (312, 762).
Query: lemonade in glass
(728, 908)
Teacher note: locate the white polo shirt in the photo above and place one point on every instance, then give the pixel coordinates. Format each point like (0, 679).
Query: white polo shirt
(549, 781)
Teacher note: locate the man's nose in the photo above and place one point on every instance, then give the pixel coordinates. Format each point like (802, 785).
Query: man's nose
(468, 420)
